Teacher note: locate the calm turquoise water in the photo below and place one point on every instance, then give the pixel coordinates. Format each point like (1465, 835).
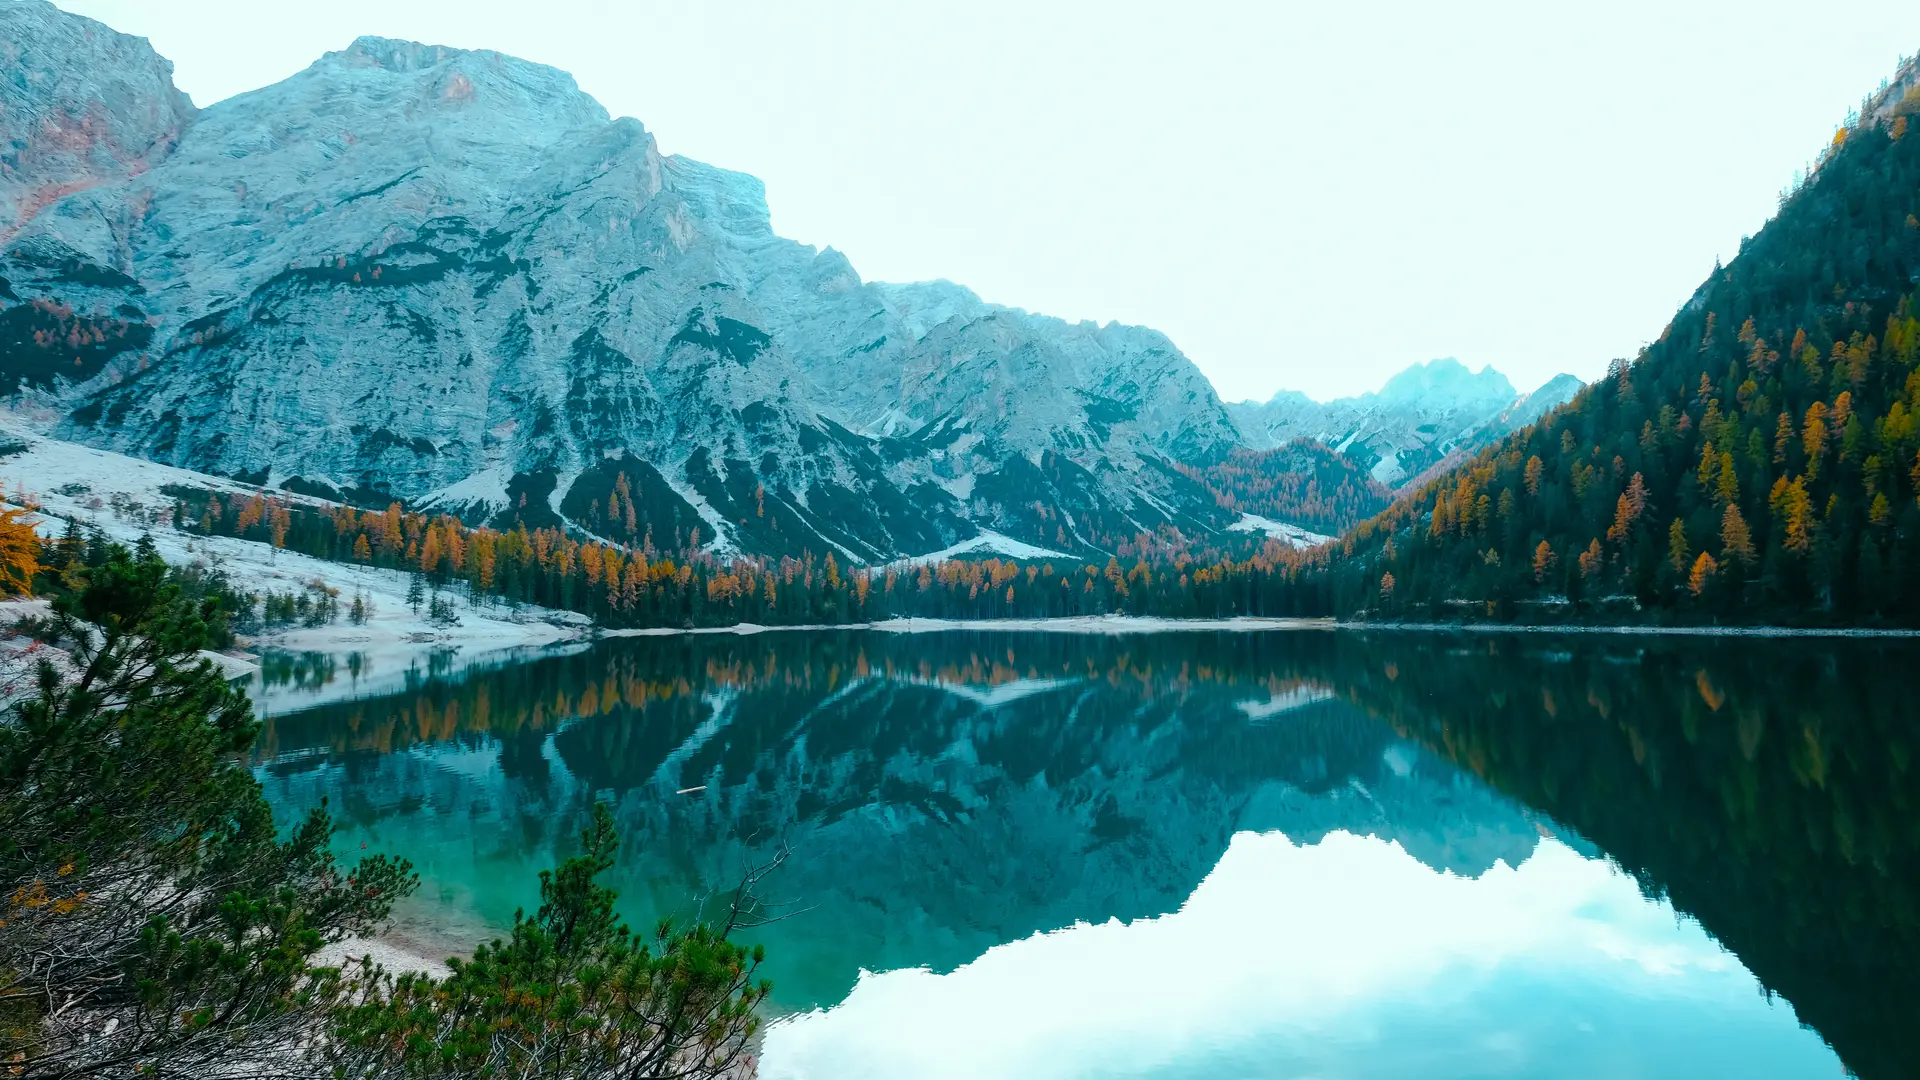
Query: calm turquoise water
(1304, 853)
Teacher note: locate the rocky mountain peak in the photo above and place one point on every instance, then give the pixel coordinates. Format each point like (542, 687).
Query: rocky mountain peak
(445, 276)
(80, 105)
(393, 54)
(1451, 380)
(1420, 418)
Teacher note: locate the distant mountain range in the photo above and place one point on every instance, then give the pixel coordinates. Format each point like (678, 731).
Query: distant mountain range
(449, 277)
(1419, 418)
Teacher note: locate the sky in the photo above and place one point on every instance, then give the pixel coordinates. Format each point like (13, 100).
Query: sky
(1302, 196)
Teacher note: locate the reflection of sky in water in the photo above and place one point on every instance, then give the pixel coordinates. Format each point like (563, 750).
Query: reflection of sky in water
(1347, 958)
(952, 801)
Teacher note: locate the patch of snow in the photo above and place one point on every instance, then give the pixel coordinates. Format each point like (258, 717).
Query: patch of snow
(1387, 470)
(49, 463)
(561, 485)
(722, 543)
(891, 422)
(1100, 624)
(1074, 624)
(486, 488)
(960, 487)
(72, 482)
(988, 542)
(1279, 530)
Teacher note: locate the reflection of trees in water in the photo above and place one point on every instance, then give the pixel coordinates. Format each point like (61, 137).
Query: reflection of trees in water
(303, 670)
(947, 792)
(1768, 788)
(630, 674)
(943, 794)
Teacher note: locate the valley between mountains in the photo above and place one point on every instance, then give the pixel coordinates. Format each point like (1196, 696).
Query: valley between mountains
(449, 279)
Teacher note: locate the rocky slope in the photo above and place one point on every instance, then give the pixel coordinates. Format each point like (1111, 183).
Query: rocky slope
(448, 276)
(1413, 423)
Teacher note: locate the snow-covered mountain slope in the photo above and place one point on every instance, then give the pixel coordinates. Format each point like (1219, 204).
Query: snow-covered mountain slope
(411, 271)
(127, 499)
(1411, 424)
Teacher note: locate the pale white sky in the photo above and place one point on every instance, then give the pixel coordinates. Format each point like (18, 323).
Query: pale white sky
(1308, 196)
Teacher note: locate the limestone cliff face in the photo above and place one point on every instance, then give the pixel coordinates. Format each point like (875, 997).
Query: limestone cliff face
(80, 107)
(449, 276)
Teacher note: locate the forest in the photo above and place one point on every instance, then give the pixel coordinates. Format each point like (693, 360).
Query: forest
(1758, 462)
(1152, 574)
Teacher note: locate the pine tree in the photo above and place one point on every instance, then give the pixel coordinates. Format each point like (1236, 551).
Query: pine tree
(1736, 542)
(1678, 553)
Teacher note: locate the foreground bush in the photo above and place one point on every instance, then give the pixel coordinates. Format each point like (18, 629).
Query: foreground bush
(152, 919)
(571, 992)
(155, 923)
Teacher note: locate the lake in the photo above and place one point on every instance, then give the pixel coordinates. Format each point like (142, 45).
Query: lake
(1288, 853)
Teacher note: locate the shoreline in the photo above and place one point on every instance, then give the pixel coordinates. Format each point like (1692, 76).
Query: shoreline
(1628, 629)
(343, 640)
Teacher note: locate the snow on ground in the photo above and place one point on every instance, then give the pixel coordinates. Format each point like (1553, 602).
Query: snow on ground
(987, 543)
(1279, 530)
(1075, 624)
(1100, 624)
(47, 465)
(69, 481)
(487, 488)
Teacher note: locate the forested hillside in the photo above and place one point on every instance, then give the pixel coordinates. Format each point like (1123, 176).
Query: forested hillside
(1760, 461)
(1303, 483)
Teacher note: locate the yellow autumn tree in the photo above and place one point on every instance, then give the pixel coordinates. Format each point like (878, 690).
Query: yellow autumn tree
(1793, 507)
(1736, 540)
(1703, 570)
(19, 552)
(1627, 508)
(1592, 559)
(1813, 435)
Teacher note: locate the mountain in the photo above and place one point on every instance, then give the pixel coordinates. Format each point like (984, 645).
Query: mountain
(449, 277)
(1760, 461)
(1413, 423)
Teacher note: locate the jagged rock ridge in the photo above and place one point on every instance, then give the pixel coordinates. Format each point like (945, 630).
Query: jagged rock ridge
(1418, 420)
(448, 276)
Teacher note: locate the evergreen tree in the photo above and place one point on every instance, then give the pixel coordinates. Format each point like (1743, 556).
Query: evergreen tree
(153, 921)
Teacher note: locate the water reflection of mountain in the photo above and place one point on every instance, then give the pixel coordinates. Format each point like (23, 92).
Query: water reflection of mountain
(940, 799)
(949, 792)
